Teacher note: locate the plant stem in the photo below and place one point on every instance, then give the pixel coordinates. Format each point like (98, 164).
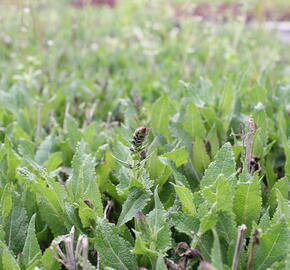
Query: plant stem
(255, 241)
(238, 249)
(250, 134)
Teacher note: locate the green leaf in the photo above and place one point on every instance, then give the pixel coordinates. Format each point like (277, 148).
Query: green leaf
(179, 156)
(220, 194)
(82, 184)
(71, 130)
(226, 227)
(283, 186)
(31, 251)
(161, 235)
(208, 218)
(193, 123)
(179, 177)
(50, 205)
(136, 201)
(160, 265)
(274, 245)
(185, 223)
(283, 208)
(43, 152)
(224, 163)
(49, 262)
(6, 203)
(86, 214)
(186, 198)
(53, 161)
(200, 156)
(8, 260)
(247, 203)
(160, 116)
(214, 141)
(114, 251)
(216, 255)
(224, 194)
(15, 229)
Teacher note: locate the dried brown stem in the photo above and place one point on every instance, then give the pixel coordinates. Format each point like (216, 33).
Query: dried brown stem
(238, 249)
(249, 146)
(255, 241)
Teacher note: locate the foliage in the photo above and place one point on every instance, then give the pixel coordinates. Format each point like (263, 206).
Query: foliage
(124, 124)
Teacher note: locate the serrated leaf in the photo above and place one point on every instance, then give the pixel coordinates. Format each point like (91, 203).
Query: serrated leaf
(71, 129)
(274, 246)
(8, 260)
(200, 156)
(208, 218)
(283, 186)
(53, 161)
(224, 194)
(226, 227)
(179, 177)
(193, 122)
(247, 203)
(224, 163)
(43, 152)
(31, 251)
(160, 265)
(283, 208)
(114, 251)
(136, 201)
(216, 255)
(213, 139)
(160, 116)
(265, 221)
(221, 194)
(15, 229)
(179, 156)
(6, 203)
(186, 198)
(50, 205)
(185, 223)
(86, 214)
(82, 184)
(49, 262)
(161, 234)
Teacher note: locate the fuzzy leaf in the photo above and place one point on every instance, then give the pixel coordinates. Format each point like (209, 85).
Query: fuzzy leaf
(136, 201)
(216, 255)
(48, 261)
(186, 198)
(113, 249)
(185, 223)
(8, 260)
(179, 156)
(193, 122)
(53, 161)
(224, 163)
(82, 184)
(159, 227)
(42, 154)
(200, 156)
(283, 208)
(31, 251)
(6, 203)
(274, 245)
(160, 116)
(15, 229)
(247, 203)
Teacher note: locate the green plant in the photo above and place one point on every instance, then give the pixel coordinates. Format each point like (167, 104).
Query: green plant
(157, 140)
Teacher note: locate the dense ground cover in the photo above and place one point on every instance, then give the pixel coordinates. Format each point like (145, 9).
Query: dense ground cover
(152, 140)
